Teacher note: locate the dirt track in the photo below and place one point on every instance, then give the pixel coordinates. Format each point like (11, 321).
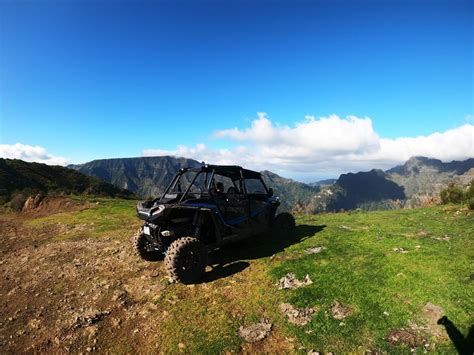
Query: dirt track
(85, 293)
(60, 294)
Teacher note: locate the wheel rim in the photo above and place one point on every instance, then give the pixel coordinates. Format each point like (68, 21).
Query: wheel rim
(191, 260)
(149, 247)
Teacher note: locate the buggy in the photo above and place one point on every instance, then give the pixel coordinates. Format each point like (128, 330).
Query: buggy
(202, 209)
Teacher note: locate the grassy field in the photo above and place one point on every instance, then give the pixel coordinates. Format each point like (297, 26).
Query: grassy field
(380, 281)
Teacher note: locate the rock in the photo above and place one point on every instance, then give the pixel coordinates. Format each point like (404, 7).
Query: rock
(116, 322)
(90, 319)
(297, 316)
(32, 202)
(289, 281)
(34, 323)
(340, 311)
(444, 238)
(400, 250)
(314, 250)
(255, 332)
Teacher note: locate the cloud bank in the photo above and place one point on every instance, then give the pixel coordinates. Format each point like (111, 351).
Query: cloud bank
(325, 146)
(30, 153)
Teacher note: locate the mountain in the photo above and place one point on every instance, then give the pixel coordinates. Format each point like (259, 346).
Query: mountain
(325, 182)
(30, 178)
(367, 190)
(149, 176)
(408, 185)
(291, 193)
(418, 181)
(424, 177)
(144, 176)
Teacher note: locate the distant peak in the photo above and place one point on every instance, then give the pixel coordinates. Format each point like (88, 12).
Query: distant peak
(422, 160)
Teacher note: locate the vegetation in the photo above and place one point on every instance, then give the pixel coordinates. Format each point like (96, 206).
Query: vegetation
(292, 194)
(19, 179)
(456, 194)
(144, 176)
(384, 266)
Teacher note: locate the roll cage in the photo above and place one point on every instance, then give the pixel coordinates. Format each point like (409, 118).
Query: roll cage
(237, 174)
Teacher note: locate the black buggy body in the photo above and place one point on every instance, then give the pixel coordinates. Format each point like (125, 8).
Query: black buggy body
(202, 209)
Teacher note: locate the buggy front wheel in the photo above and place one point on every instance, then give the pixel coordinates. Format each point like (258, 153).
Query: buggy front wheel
(145, 249)
(186, 260)
(284, 222)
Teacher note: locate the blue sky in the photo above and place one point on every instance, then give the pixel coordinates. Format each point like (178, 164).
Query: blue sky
(97, 79)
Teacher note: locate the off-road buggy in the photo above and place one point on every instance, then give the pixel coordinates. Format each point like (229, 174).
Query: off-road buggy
(202, 209)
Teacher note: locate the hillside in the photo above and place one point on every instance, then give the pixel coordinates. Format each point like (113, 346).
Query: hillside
(149, 176)
(421, 177)
(367, 190)
(144, 176)
(412, 184)
(19, 176)
(290, 192)
(379, 282)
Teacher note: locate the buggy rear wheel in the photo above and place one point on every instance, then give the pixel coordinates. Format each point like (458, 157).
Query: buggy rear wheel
(285, 222)
(186, 260)
(145, 249)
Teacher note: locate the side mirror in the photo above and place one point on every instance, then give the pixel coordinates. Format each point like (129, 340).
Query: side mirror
(270, 192)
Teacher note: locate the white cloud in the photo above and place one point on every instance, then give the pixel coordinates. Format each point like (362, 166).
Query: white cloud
(326, 146)
(30, 153)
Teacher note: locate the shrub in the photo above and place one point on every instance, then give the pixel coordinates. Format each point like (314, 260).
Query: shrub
(470, 190)
(470, 203)
(18, 201)
(452, 194)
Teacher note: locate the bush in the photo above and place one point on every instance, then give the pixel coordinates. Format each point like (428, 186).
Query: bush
(470, 190)
(470, 203)
(452, 194)
(18, 201)
(455, 194)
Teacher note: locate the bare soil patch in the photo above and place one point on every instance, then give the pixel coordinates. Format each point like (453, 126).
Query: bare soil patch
(297, 316)
(340, 311)
(289, 281)
(52, 205)
(255, 332)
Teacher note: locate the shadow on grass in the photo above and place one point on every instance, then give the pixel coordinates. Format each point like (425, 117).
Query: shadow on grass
(464, 345)
(230, 259)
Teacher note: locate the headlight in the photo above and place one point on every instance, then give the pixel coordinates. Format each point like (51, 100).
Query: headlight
(159, 209)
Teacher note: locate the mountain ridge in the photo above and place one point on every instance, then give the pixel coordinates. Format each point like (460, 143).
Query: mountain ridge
(149, 176)
(18, 176)
(405, 185)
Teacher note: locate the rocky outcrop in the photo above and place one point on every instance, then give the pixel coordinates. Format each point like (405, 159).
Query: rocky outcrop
(32, 202)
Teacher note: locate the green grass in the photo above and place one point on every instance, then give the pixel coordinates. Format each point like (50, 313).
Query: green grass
(105, 217)
(358, 267)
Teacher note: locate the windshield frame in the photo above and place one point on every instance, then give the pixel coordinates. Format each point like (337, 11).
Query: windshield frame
(181, 195)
